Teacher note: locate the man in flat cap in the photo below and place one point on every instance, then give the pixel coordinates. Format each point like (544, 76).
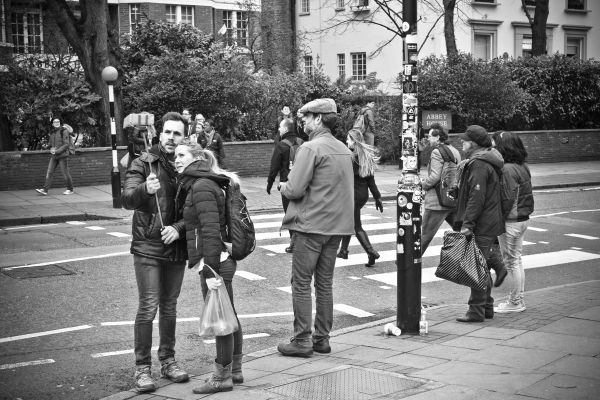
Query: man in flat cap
(321, 192)
(479, 213)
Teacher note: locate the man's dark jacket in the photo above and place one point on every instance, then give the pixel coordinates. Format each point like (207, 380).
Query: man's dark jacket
(146, 225)
(280, 160)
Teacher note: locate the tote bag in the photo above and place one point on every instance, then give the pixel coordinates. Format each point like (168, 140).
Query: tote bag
(462, 262)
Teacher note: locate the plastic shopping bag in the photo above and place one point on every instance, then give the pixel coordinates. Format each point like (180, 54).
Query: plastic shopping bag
(218, 318)
(461, 261)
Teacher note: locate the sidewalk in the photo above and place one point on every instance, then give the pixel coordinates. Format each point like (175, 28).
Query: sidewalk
(550, 351)
(22, 207)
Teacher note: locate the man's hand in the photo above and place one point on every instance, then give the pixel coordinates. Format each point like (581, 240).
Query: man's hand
(379, 205)
(52, 150)
(152, 184)
(467, 232)
(213, 283)
(269, 186)
(169, 234)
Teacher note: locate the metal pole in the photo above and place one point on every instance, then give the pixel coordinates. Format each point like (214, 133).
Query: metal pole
(109, 75)
(410, 192)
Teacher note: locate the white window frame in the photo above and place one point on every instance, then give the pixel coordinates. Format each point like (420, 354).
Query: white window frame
(134, 21)
(304, 7)
(487, 28)
(26, 35)
(169, 8)
(309, 69)
(523, 31)
(359, 66)
(585, 8)
(241, 28)
(340, 5)
(341, 61)
(580, 33)
(187, 11)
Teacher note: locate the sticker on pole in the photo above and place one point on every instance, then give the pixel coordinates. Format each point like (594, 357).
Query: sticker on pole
(402, 201)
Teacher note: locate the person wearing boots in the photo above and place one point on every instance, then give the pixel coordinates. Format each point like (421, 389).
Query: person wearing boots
(200, 195)
(364, 180)
(281, 163)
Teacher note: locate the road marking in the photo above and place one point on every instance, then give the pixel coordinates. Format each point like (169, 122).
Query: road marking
(121, 253)
(385, 287)
(366, 227)
(14, 228)
(46, 333)
(118, 234)
(277, 224)
(531, 228)
(249, 275)
(117, 353)
(27, 363)
(95, 228)
(355, 278)
(576, 248)
(541, 242)
(250, 336)
(263, 315)
(529, 262)
(357, 312)
(267, 216)
(75, 222)
(586, 237)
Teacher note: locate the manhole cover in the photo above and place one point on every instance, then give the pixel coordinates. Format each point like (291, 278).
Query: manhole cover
(349, 383)
(37, 272)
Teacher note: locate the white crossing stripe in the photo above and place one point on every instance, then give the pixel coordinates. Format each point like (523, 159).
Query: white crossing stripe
(357, 312)
(367, 227)
(117, 353)
(287, 289)
(95, 228)
(12, 228)
(45, 333)
(586, 237)
(75, 222)
(250, 336)
(27, 363)
(529, 262)
(385, 287)
(277, 224)
(531, 228)
(118, 234)
(267, 216)
(249, 275)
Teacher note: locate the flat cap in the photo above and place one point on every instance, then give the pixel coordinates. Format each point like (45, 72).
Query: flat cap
(319, 106)
(477, 134)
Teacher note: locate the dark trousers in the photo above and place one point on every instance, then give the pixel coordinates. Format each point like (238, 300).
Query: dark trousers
(481, 301)
(63, 163)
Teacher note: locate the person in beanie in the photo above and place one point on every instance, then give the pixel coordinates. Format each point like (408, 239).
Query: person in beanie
(479, 213)
(281, 162)
(320, 187)
(159, 251)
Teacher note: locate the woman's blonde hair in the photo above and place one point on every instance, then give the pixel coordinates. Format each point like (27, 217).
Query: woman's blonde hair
(207, 156)
(364, 154)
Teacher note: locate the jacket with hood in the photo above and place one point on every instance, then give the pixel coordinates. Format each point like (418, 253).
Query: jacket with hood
(434, 175)
(200, 195)
(59, 139)
(280, 160)
(517, 182)
(320, 187)
(363, 185)
(479, 206)
(146, 226)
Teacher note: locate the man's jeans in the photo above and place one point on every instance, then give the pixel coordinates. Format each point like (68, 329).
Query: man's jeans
(482, 300)
(63, 163)
(159, 283)
(314, 254)
(511, 244)
(432, 220)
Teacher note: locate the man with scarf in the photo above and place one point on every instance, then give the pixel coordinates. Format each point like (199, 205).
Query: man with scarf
(479, 213)
(320, 187)
(159, 251)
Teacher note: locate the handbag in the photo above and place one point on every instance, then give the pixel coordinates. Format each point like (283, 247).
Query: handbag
(218, 317)
(462, 262)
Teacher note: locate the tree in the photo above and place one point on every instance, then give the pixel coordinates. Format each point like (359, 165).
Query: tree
(538, 26)
(451, 50)
(95, 43)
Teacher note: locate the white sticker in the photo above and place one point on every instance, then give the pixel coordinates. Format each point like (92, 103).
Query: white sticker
(402, 201)
(400, 248)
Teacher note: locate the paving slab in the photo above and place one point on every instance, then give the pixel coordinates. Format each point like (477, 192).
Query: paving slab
(475, 343)
(563, 387)
(451, 392)
(557, 342)
(374, 338)
(592, 314)
(496, 333)
(442, 351)
(586, 367)
(455, 328)
(275, 363)
(271, 380)
(365, 353)
(414, 360)
(518, 358)
(573, 326)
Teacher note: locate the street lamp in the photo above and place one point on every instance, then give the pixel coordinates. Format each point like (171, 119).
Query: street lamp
(110, 75)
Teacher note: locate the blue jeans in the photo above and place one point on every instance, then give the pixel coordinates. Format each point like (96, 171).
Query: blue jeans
(511, 244)
(314, 254)
(159, 284)
(63, 163)
(432, 220)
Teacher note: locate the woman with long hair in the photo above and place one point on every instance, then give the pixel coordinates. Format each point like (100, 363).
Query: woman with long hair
(517, 184)
(200, 195)
(364, 180)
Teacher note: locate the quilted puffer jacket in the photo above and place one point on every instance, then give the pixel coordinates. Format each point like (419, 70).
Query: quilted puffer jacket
(146, 225)
(201, 195)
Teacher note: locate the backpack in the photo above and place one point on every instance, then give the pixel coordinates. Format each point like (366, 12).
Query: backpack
(293, 148)
(447, 178)
(240, 229)
(360, 123)
(505, 195)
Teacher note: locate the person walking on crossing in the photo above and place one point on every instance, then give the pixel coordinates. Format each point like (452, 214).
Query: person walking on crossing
(364, 180)
(320, 189)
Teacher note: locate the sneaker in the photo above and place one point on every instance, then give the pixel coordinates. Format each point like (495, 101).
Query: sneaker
(294, 349)
(68, 192)
(508, 307)
(172, 372)
(322, 346)
(42, 191)
(143, 380)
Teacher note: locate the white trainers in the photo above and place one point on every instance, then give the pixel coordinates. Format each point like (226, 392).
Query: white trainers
(42, 191)
(508, 307)
(68, 192)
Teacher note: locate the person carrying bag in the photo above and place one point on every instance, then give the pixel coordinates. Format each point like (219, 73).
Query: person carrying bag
(462, 262)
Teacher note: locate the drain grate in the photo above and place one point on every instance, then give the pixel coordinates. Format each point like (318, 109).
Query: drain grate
(349, 383)
(37, 272)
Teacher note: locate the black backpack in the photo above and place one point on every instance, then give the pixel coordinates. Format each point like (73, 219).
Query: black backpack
(240, 229)
(447, 178)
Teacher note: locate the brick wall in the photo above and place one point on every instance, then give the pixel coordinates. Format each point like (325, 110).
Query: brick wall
(27, 170)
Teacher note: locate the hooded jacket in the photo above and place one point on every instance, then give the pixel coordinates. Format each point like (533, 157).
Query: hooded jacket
(517, 181)
(200, 195)
(434, 175)
(479, 206)
(146, 225)
(59, 139)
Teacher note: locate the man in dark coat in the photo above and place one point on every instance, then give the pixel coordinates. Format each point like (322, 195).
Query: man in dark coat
(211, 140)
(159, 251)
(479, 212)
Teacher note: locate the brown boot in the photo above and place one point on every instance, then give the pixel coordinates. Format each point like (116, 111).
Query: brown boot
(236, 369)
(220, 381)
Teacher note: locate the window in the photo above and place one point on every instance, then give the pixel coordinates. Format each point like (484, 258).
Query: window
(341, 59)
(134, 15)
(576, 41)
(308, 66)
(576, 5)
(305, 7)
(362, 3)
(171, 14)
(359, 66)
(242, 28)
(573, 47)
(339, 4)
(530, 3)
(187, 15)
(526, 46)
(26, 32)
(482, 48)
(180, 14)
(484, 38)
(228, 22)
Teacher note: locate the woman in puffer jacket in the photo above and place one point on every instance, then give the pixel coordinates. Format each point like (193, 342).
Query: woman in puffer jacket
(516, 182)
(201, 195)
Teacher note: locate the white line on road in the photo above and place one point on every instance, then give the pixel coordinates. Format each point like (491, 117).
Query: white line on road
(95, 228)
(277, 224)
(250, 336)
(531, 228)
(367, 227)
(267, 216)
(118, 234)
(576, 235)
(13, 228)
(121, 253)
(27, 363)
(75, 222)
(38, 334)
(116, 353)
(249, 275)
(357, 312)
